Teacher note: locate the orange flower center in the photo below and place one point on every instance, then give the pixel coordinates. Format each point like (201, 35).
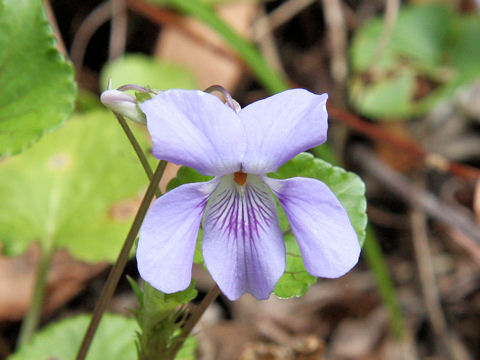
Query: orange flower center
(240, 177)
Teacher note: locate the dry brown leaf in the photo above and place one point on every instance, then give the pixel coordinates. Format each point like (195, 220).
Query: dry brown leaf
(357, 338)
(66, 278)
(208, 66)
(391, 155)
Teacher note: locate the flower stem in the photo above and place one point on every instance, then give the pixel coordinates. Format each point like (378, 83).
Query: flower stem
(194, 318)
(138, 149)
(34, 314)
(117, 269)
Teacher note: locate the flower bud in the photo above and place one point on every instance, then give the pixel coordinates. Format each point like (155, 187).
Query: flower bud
(123, 104)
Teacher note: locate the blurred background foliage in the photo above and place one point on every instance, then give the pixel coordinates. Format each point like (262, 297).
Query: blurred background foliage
(404, 85)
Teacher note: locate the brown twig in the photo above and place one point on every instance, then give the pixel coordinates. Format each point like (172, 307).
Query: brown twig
(415, 196)
(53, 23)
(160, 15)
(262, 34)
(337, 35)
(195, 317)
(409, 148)
(118, 29)
(447, 342)
(282, 14)
(100, 15)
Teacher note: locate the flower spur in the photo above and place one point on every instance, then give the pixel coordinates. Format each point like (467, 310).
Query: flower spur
(242, 244)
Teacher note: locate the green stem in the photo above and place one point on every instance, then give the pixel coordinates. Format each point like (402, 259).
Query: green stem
(117, 269)
(136, 146)
(194, 318)
(34, 314)
(265, 74)
(374, 257)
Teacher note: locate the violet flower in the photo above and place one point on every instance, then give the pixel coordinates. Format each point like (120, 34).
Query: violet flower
(242, 245)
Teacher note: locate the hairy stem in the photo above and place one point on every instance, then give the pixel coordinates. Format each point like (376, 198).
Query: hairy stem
(117, 269)
(194, 318)
(34, 314)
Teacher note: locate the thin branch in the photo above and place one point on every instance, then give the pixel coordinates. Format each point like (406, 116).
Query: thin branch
(263, 35)
(280, 15)
(337, 35)
(447, 342)
(195, 317)
(118, 29)
(415, 196)
(433, 161)
(99, 16)
(163, 16)
(53, 23)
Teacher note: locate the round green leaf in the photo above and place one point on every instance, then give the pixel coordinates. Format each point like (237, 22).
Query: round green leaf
(348, 188)
(387, 99)
(38, 91)
(147, 71)
(419, 36)
(114, 340)
(78, 188)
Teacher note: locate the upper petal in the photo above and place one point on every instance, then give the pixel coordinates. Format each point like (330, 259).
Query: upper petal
(243, 246)
(194, 128)
(282, 126)
(166, 244)
(327, 240)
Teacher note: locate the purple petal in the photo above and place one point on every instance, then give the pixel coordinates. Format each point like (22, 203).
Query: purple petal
(327, 240)
(282, 126)
(243, 246)
(193, 128)
(168, 236)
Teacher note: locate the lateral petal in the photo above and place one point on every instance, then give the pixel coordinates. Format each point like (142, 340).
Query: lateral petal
(168, 236)
(243, 245)
(282, 126)
(195, 129)
(327, 240)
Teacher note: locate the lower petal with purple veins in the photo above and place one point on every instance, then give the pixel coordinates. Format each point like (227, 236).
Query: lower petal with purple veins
(243, 246)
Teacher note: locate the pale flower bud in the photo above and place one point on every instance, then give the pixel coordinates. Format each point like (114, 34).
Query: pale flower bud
(123, 104)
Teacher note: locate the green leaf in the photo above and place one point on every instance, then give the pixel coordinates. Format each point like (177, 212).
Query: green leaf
(114, 340)
(421, 33)
(465, 53)
(348, 188)
(187, 175)
(364, 46)
(38, 90)
(148, 72)
(387, 99)
(430, 44)
(419, 36)
(295, 282)
(78, 188)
